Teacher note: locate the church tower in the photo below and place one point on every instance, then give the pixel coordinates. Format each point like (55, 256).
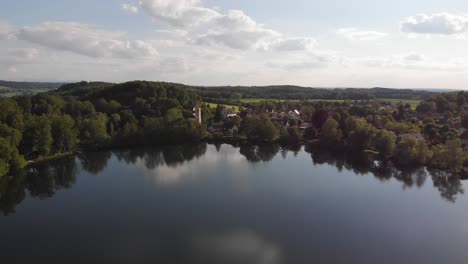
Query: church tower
(197, 113)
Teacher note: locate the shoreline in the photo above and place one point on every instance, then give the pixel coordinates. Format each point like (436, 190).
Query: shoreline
(50, 158)
(236, 141)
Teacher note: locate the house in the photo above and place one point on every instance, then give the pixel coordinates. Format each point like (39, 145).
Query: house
(228, 113)
(231, 129)
(306, 125)
(294, 115)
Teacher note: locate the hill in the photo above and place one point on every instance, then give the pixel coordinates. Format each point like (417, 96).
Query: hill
(288, 92)
(9, 88)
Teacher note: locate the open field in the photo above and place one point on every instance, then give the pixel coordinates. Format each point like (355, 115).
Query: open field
(413, 103)
(14, 92)
(213, 105)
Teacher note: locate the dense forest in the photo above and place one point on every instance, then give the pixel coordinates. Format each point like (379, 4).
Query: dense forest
(225, 92)
(99, 115)
(303, 93)
(94, 115)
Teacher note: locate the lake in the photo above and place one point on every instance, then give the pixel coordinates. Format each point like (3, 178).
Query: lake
(224, 204)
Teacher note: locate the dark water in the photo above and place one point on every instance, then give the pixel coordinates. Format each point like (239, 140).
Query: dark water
(207, 204)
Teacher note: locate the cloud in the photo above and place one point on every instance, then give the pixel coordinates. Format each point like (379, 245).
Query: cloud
(414, 57)
(439, 23)
(7, 31)
(236, 30)
(243, 246)
(414, 61)
(313, 60)
(87, 40)
(12, 69)
(293, 44)
(24, 53)
(175, 65)
(180, 13)
(130, 8)
(233, 29)
(355, 34)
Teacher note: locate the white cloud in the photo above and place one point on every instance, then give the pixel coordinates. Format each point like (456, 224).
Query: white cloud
(414, 57)
(130, 8)
(356, 34)
(24, 53)
(439, 23)
(293, 44)
(243, 246)
(414, 61)
(12, 69)
(233, 29)
(313, 60)
(87, 40)
(175, 65)
(7, 30)
(180, 13)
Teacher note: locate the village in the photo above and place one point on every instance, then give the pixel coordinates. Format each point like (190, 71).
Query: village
(431, 133)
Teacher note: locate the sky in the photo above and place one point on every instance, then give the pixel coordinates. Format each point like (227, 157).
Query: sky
(334, 43)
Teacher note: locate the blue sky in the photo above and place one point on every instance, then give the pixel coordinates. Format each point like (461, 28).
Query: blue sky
(361, 43)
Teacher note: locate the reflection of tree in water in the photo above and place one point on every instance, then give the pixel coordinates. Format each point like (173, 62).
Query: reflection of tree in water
(44, 180)
(254, 153)
(358, 163)
(448, 185)
(94, 162)
(295, 149)
(217, 146)
(170, 155)
(12, 192)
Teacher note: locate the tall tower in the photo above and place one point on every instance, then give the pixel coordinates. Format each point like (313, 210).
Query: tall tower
(197, 113)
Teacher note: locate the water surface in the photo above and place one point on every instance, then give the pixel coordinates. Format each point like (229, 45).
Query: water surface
(222, 204)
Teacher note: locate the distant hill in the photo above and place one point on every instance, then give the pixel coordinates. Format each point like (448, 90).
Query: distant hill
(285, 92)
(289, 92)
(9, 88)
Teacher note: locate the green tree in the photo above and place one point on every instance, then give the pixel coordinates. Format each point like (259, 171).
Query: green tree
(331, 134)
(11, 114)
(410, 151)
(12, 135)
(93, 131)
(37, 136)
(449, 156)
(260, 129)
(173, 115)
(384, 143)
(219, 113)
(464, 117)
(64, 133)
(236, 97)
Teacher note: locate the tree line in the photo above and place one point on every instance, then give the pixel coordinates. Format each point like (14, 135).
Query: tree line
(94, 115)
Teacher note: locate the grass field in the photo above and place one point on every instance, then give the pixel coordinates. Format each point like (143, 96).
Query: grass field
(212, 105)
(413, 103)
(14, 92)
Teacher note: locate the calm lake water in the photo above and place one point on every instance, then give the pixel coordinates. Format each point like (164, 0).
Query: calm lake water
(222, 204)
